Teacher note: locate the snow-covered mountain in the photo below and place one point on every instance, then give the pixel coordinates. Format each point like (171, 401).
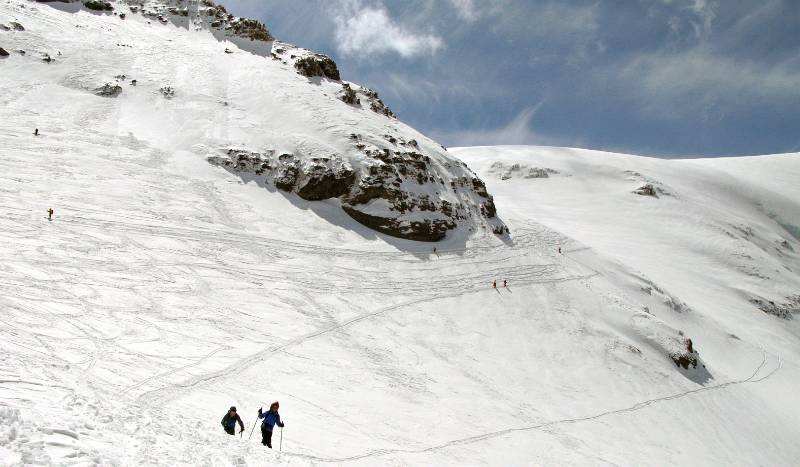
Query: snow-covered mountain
(167, 288)
(221, 89)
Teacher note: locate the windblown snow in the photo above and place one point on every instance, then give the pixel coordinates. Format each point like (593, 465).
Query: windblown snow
(166, 289)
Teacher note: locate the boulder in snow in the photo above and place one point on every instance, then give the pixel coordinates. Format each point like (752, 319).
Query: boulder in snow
(109, 90)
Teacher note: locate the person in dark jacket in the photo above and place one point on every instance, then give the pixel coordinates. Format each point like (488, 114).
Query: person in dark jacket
(229, 422)
(271, 419)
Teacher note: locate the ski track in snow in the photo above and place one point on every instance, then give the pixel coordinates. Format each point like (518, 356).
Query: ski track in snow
(163, 283)
(494, 434)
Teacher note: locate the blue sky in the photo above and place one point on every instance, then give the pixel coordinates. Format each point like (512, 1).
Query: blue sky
(671, 78)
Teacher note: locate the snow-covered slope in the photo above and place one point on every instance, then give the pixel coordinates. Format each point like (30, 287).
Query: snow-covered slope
(269, 112)
(167, 289)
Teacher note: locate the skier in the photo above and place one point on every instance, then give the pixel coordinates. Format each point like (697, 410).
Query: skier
(505, 283)
(559, 250)
(494, 284)
(36, 132)
(271, 419)
(229, 422)
(50, 214)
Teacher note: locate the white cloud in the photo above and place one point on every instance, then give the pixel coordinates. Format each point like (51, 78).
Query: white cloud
(369, 30)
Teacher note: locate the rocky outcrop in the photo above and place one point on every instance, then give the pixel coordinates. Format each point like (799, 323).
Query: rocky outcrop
(318, 65)
(109, 90)
(98, 5)
(646, 190)
(250, 29)
(785, 310)
(687, 358)
(348, 95)
(398, 193)
(3, 53)
(376, 104)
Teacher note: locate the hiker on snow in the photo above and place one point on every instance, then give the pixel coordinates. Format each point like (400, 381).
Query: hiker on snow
(50, 214)
(229, 422)
(271, 419)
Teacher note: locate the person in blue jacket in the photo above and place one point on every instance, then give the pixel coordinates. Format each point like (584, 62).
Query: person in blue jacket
(271, 419)
(229, 422)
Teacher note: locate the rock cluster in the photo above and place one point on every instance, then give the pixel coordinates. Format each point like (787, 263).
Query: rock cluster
(646, 190)
(520, 171)
(349, 95)
(784, 310)
(318, 65)
(109, 90)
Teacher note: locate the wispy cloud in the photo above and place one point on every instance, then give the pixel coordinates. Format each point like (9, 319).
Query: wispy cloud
(698, 80)
(466, 9)
(517, 131)
(369, 30)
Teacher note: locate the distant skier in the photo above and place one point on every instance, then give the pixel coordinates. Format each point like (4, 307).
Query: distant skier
(494, 284)
(505, 283)
(50, 214)
(271, 419)
(559, 250)
(36, 132)
(229, 422)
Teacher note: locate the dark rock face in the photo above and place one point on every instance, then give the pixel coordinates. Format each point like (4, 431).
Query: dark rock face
(109, 90)
(324, 183)
(16, 26)
(318, 65)
(98, 5)
(286, 178)
(423, 231)
(3, 52)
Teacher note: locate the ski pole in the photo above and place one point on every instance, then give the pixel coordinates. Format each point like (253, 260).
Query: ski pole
(280, 448)
(254, 429)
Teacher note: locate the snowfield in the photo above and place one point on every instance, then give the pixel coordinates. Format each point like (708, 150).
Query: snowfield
(166, 289)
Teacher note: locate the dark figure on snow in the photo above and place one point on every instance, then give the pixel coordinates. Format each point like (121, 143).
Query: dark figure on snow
(50, 214)
(271, 419)
(559, 249)
(494, 284)
(36, 132)
(229, 422)
(505, 283)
